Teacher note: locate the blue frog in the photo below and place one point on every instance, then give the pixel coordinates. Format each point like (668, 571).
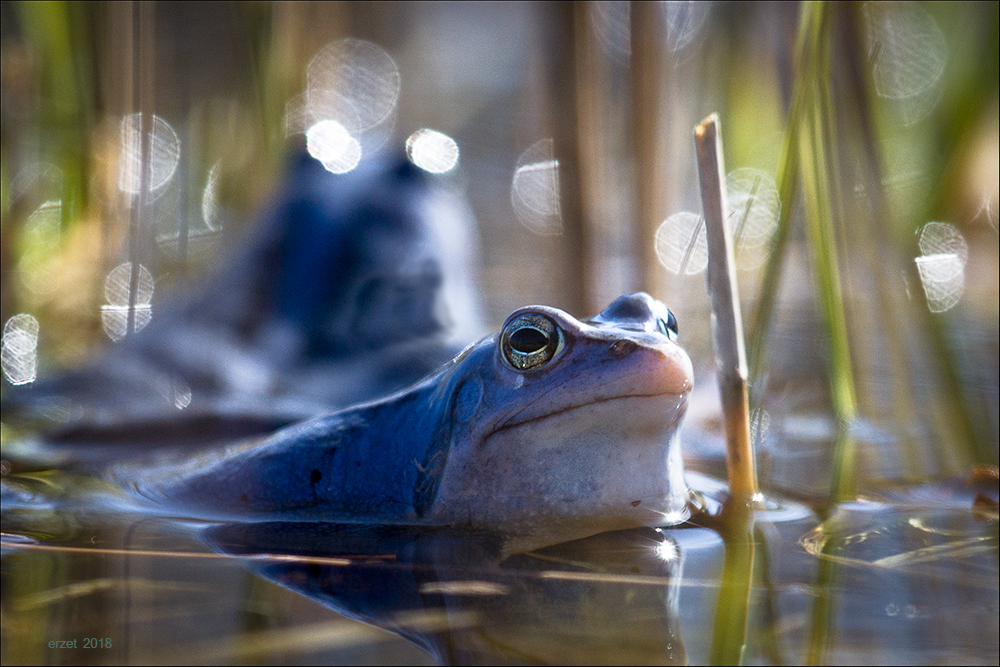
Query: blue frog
(552, 421)
(350, 287)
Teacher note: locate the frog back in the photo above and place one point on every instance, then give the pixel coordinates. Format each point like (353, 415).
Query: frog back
(357, 465)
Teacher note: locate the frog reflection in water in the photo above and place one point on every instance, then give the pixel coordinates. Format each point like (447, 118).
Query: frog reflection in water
(552, 422)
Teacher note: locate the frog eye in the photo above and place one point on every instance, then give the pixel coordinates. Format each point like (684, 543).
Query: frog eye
(668, 327)
(529, 341)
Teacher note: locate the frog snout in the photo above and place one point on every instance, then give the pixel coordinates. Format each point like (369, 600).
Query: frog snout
(649, 367)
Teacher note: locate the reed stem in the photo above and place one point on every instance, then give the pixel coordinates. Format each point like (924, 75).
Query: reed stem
(788, 184)
(816, 164)
(727, 325)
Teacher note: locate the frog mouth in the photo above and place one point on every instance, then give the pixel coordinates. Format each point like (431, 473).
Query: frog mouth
(674, 409)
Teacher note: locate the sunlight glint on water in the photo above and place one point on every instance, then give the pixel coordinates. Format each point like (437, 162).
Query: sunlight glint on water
(349, 101)
(40, 242)
(942, 265)
(19, 349)
(165, 151)
(907, 49)
(432, 151)
(667, 551)
(908, 54)
(754, 207)
(353, 82)
(330, 143)
(114, 315)
(534, 190)
(681, 245)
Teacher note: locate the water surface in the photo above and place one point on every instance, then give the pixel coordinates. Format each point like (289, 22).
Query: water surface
(911, 578)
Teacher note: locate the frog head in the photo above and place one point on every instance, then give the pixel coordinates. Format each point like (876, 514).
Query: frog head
(555, 421)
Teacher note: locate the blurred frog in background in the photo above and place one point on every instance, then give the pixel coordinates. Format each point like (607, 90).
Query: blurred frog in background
(350, 287)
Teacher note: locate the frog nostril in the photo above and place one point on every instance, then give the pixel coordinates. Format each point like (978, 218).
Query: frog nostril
(623, 347)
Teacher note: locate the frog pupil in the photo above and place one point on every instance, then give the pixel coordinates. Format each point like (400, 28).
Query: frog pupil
(528, 339)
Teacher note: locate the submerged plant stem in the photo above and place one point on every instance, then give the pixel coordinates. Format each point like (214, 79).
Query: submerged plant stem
(729, 632)
(821, 618)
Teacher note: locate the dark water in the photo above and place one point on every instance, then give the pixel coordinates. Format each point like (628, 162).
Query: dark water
(911, 578)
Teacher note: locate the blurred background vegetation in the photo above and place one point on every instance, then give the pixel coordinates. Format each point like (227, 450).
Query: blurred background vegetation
(861, 138)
